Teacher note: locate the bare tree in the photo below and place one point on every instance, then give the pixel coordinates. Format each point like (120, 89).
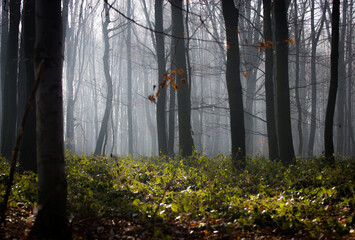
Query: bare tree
(103, 130)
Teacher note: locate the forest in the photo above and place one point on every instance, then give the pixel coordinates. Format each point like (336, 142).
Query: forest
(177, 119)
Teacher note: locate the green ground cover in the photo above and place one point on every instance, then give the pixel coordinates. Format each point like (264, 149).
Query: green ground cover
(198, 197)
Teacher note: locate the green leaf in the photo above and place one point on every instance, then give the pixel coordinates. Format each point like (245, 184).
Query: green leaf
(174, 207)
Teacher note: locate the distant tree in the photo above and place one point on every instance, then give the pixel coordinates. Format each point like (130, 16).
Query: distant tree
(183, 94)
(269, 85)
(315, 34)
(72, 41)
(350, 133)
(129, 80)
(329, 117)
(341, 96)
(284, 131)
(51, 220)
(234, 87)
(9, 88)
(161, 102)
(105, 58)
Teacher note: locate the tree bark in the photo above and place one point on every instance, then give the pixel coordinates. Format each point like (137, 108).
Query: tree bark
(51, 220)
(350, 139)
(184, 102)
(297, 83)
(284, 131)
(234, 87)
(269, 85)
(9, 93)
(315, 37)
(28, 147)
(4, 36)
(340, 124)
(329, 117)
(161, 102)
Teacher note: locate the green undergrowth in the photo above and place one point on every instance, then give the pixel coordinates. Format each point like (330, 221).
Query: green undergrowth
(308, 196)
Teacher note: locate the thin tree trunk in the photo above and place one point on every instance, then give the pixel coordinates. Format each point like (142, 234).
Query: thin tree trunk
(171, 139)
(234, 87)
(4, 36)
(161, 102)
(269, 85)
(340, 124)
(329, 117)
(298, 102)
(108, 109)
(129, 82)
(284, 131)
(184, 102)
(350, 139)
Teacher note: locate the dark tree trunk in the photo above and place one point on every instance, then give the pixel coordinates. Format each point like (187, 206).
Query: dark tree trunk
(350, 138)
(51, 220)
(28, 146)
(105, 58)
(234, 87)
(161, 103)
(329, 117)
(340, 123)
(4, 36)
(284, 131)
(171, 139)
(184, 102)
(9, 93)
(315, 37)
(269, 85)
(297, 83)
(252, 61)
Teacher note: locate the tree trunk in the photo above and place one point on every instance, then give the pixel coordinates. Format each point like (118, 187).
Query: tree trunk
(184, 102)
(28, 145)
(269, 85)
(340, 124)
(284, 131)
(4, 36)
(161, 103)
(297, 83)
(252, 61)
(234, 87)
(315, 37)
(105, 58)
(9, 93)
(129, 82)
(171, 132)
(350, 139)
(51, 220)
(329, 117)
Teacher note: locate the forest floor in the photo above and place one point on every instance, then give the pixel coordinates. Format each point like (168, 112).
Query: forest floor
(195, 198)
